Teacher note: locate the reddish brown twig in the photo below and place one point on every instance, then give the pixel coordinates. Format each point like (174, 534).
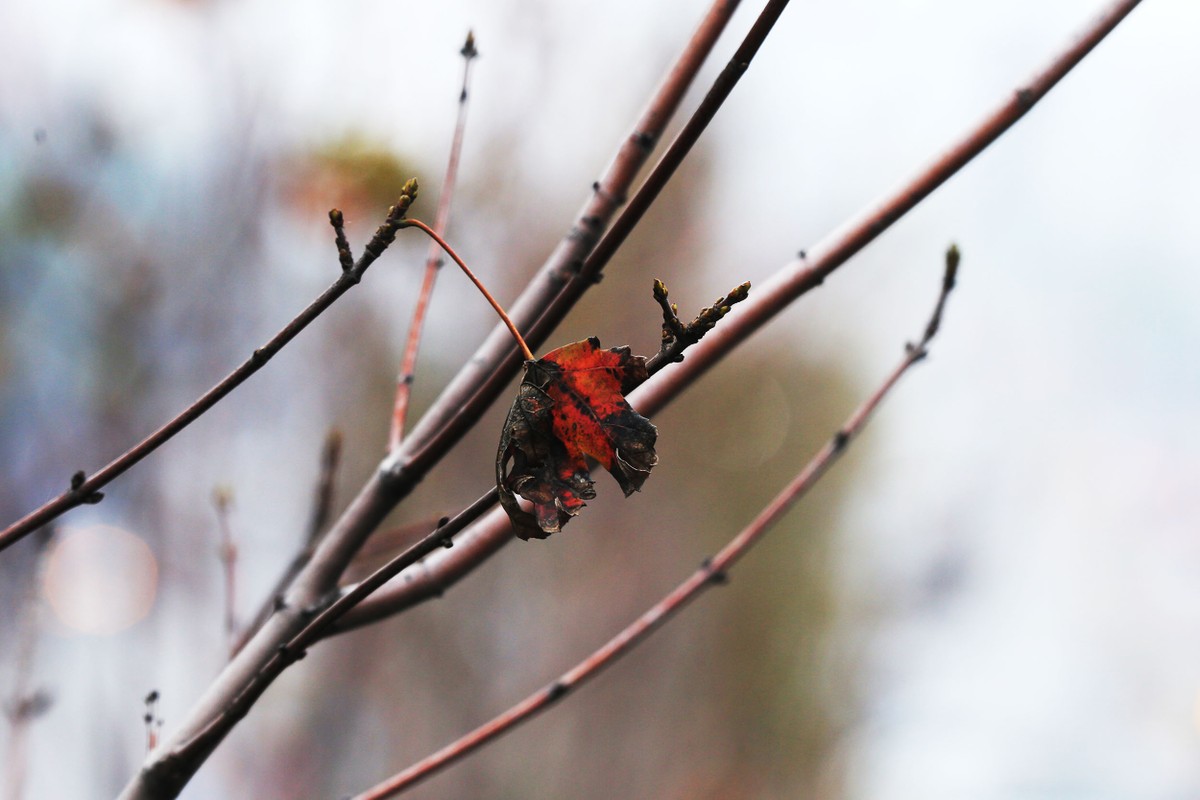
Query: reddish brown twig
(712, 572)
(792, 281)
(86, 489)
(433, 261)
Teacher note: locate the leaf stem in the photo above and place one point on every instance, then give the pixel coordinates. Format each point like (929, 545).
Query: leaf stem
(512, 328)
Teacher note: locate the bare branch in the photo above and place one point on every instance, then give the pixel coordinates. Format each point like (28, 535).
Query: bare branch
(433, 261)
(712, 572)
(26, 702)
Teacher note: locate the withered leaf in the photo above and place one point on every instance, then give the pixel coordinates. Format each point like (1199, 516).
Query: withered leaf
(570, 407)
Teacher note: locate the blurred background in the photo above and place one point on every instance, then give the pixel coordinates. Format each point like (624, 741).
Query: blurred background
(996, 594)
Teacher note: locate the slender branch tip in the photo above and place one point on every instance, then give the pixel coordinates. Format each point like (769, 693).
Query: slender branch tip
(468, 50)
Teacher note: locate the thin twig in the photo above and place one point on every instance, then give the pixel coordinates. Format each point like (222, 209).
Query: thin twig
(86, 489)
(712, 572)
(440, 537)
(323, 494)
(793, 280)
(26, 703)
(331, 453)
(227, 554)
(152, 721)
(495, 304)
(433, 261)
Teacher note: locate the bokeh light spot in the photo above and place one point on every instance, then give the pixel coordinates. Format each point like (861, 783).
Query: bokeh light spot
(100, 579)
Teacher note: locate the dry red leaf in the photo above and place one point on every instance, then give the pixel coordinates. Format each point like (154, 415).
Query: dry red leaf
(571, 407)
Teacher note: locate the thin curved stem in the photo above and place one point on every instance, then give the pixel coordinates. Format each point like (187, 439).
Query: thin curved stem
(512, 328)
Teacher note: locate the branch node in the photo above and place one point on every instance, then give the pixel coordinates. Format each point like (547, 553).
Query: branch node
(556, 691)
(717, 577)
(643, 140)
(289, 655)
